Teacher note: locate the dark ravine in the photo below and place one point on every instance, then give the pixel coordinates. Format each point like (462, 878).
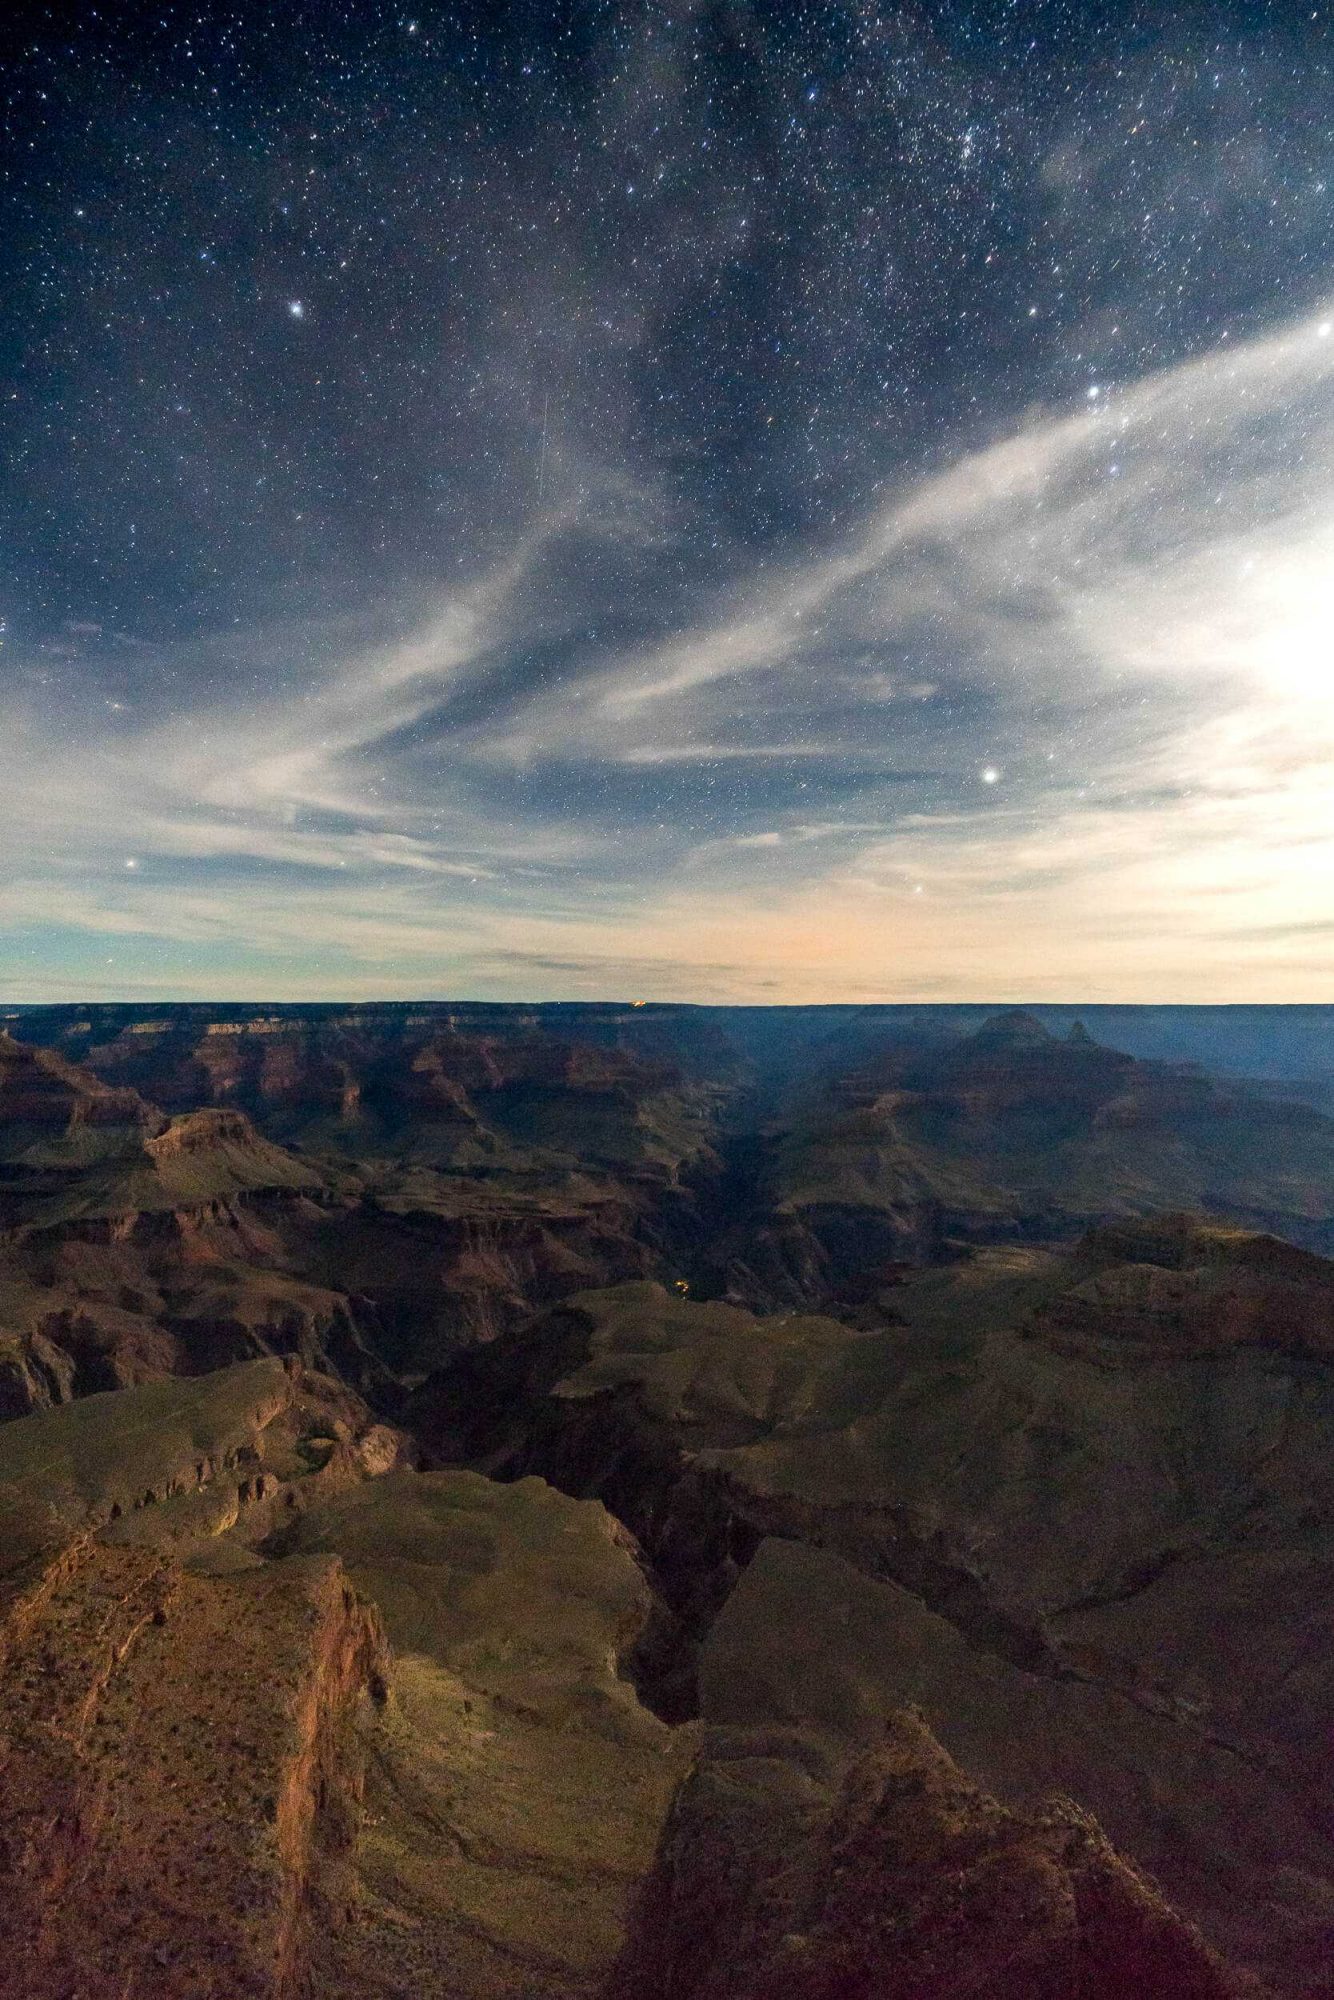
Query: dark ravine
(697, 1526)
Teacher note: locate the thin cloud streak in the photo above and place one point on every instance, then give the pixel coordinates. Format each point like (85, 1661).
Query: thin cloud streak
(1136, 596)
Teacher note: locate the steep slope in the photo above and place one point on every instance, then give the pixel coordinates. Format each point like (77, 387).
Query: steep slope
(778, 1157)
(618, 1393)
(179, 1770)
(176, 1782)
(72, 1149)
(467, 1089)
(1099, 1485)
(151, 1042)
(1027, 1515)
(826, 1847)
(457, 1180)
(215, 1777)
(517, 1786)
(133, 1246)
(185, 1461)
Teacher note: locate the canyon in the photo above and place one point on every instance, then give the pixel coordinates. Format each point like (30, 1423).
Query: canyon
(683, 1503)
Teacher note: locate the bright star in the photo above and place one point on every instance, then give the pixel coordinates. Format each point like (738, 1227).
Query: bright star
(131, 861)
(295, 307)
(991, 775)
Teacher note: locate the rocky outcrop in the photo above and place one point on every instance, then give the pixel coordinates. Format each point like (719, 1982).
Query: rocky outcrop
(443, 1271)
(281, 1717)
(825, 1847)
(616, 1394)
(178, 1463)
(216, 1775)
(135, 1246)
(472, 1165)
(72, 1148)
(178, 1773)
(164, 1245)
(749, 1654)
(34, 1373)
(180, 1768)
(470, 1089)
(41, 1094)
(1172, 1287)
(107, 1304)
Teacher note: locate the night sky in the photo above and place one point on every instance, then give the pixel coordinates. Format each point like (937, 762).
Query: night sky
(716, 501)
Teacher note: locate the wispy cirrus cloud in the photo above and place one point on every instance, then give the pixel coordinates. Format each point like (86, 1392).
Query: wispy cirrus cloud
(1056, 719)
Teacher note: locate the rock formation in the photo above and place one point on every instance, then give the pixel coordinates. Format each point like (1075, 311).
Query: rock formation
(1014, 1134)
(219, 1776)
(423, 1570)
(826, 1848)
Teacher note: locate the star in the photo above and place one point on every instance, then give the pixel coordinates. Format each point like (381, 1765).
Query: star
(779, 412)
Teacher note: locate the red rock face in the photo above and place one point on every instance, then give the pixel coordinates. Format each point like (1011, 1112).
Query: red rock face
(1174, 1288)
(174, 1245)
(200, 1131)
(337, 1069)
(176, 1776)
(39, 1089)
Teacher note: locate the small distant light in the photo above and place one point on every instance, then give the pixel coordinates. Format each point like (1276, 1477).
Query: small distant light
(1325, 328)
(991, 776)
(131, 861)
(297, 310)
(1094, 392)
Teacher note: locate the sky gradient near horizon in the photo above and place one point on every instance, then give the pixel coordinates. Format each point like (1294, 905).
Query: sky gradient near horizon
(707, 501)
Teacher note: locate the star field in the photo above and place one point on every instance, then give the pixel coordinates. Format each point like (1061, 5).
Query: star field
(717, 500)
